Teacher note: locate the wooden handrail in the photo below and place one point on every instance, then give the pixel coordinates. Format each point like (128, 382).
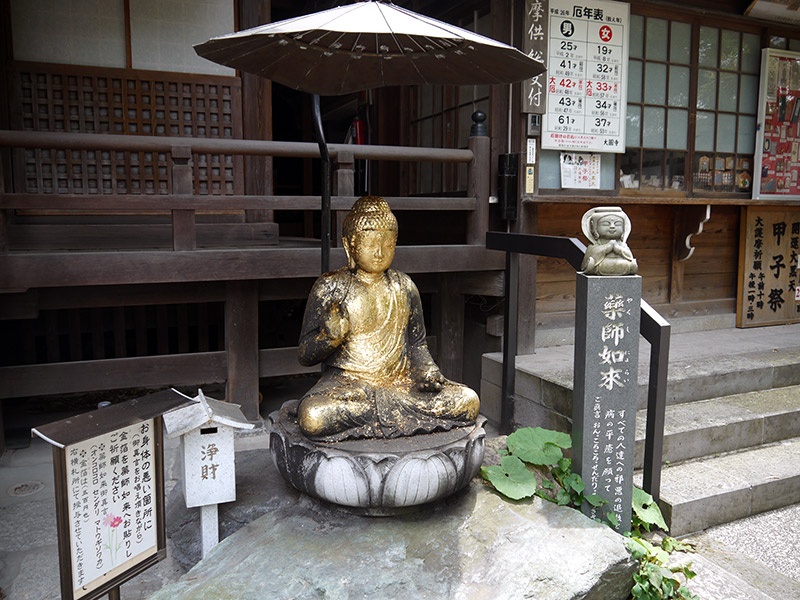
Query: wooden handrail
(151, 143)
(149, 202)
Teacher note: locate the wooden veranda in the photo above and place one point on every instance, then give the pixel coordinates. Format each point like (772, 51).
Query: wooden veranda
(115, 252)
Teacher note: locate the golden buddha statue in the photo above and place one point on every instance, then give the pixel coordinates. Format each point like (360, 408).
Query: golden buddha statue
(365, 323)
(607, 228)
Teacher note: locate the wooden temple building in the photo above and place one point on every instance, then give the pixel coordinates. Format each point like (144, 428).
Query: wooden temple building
(159, 214)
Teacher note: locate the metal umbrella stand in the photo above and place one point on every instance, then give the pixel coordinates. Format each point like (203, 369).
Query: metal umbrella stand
(365, 45)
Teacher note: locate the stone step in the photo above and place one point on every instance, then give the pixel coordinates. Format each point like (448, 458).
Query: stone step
(544, 380)
(701, 493)
(707, 427)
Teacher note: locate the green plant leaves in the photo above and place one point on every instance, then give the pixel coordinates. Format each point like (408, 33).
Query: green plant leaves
(512, 478)
(538, 446)
(647, 510)
(594, 500)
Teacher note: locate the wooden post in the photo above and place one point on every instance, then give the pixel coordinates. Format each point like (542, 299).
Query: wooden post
(478, 183)
(256, 116)
(184, 231)
(241, 345)
(343, 185)
(526, 336)
(3, 216)
(450, 327)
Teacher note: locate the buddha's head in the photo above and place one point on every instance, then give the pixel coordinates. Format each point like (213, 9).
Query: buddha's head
(369, 235)
(606, 223)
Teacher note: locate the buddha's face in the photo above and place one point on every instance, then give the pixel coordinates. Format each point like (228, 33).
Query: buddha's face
(373, 250)
(610, 227)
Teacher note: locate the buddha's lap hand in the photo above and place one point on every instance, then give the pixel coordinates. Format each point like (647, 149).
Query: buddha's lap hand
(431, 380)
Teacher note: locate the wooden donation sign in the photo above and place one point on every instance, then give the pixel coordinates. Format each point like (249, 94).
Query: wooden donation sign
(109, 477)
(205, 427)
(769, 286)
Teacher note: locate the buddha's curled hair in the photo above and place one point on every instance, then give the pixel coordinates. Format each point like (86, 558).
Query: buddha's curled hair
(369, 213)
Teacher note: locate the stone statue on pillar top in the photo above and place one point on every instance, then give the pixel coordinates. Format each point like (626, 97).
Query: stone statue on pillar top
(607, 228)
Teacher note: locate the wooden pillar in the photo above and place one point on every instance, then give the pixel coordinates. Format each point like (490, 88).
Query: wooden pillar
(528, 222)
(241, 345)
(478, 184)
(3, 219)
(256, 116)
(343, 185)
(184, 230)
(450, 327)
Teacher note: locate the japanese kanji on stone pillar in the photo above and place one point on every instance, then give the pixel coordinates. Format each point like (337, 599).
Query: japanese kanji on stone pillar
(607, 313)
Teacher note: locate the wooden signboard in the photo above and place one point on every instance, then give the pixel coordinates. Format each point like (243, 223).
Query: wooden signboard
(109, 478)
(769, 286)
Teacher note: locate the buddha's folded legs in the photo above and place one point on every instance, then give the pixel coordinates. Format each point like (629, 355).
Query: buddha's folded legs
(339, 408)
(329, 409)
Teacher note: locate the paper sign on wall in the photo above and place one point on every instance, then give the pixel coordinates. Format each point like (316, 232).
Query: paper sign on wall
(580, 170)
(587, 76)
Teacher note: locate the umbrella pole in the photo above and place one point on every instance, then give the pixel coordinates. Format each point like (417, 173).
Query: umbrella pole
(325, 219)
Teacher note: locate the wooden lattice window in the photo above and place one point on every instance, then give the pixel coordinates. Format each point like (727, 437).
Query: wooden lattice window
(77, 99)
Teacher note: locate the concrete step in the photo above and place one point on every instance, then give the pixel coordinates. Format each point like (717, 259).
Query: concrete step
(701, 493)
(707, 427)
(703, 365)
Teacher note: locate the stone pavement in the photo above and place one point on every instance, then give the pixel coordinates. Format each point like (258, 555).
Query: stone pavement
(757, 558)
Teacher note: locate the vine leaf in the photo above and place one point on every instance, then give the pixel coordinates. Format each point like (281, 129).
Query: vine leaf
(538, 446)
(511, 478)
(647, 510)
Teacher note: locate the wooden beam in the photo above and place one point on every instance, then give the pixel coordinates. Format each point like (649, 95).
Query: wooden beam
(43, 236)
(110, 374)
(274, 362)
(151, 143)
(21, 271)
(154, 202)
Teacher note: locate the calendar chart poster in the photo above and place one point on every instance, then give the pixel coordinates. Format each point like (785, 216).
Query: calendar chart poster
(586, 76)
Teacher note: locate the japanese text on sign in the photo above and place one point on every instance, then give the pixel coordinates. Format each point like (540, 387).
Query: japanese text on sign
(534, 44)
(586, 76)
(611, 449)
(770, 268)
(580, 170)
(111, 483)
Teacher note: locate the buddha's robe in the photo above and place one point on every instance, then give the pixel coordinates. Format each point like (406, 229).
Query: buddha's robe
(370, 385)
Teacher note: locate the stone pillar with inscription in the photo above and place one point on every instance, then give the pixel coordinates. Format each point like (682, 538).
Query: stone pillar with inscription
(607, 313)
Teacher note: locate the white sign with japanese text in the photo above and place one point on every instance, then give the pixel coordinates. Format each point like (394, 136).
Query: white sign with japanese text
(112, 513)
(209, 475)
(580, 170)
(586, 76)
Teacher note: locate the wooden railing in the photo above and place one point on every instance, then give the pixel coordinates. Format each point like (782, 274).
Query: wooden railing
(238, 275)
(184, 205)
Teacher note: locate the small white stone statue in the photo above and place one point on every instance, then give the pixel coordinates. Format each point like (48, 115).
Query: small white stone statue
(607, 228)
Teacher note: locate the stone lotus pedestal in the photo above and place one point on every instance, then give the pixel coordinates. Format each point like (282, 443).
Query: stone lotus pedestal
(376, 476)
